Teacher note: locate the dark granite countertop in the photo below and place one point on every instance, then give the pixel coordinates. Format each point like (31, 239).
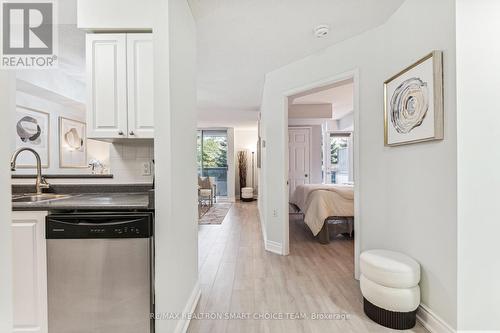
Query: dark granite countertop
(103, 197)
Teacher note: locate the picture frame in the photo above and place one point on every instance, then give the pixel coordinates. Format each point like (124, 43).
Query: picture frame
(413, 103)
(32, 130)
(72, 143)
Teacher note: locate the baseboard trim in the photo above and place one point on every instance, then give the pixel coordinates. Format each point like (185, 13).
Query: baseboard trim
(194, 298)
(274, 247)
(270, 246)
(432, 322)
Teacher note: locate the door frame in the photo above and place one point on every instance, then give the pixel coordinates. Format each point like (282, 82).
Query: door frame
(351, 74)
(309, 129)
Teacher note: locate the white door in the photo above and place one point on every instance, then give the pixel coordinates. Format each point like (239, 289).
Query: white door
(29, 265)
(106, 85)
(299, 147)
(140, 85)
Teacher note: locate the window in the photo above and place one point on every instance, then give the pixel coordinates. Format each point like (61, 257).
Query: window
(338, 162)
(212, 157)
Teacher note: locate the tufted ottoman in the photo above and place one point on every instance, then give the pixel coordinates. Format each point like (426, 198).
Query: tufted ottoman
(389, 284)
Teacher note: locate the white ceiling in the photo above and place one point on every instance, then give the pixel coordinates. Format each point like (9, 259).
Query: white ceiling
(239, 41)
(340, 95)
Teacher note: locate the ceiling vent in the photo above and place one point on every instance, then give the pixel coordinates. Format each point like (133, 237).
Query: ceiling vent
(322, 31)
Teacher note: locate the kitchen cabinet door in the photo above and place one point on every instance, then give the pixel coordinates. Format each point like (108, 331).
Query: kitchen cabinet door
(140, 85)
(29, 263)
(107, 86)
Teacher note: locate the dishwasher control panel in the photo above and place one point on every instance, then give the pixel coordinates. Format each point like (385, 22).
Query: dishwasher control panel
(75, 226)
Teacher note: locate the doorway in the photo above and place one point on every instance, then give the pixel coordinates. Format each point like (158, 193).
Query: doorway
(340, 138)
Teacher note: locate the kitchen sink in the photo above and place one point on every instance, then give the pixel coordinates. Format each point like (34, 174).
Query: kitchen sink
(27, 198)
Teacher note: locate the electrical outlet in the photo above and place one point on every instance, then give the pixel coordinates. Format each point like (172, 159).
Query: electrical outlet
(275, 212)
(146, 169)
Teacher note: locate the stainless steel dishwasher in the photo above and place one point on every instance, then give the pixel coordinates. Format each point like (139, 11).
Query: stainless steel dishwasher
(100, 272)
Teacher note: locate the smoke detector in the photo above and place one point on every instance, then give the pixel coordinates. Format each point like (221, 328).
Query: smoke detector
(322, 31)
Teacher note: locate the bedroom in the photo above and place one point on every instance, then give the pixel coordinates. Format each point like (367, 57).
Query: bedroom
(321, 166)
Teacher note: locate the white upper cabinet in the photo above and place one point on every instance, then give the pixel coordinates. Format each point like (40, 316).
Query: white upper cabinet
(140, 85)
(106, 85)
(120, 86)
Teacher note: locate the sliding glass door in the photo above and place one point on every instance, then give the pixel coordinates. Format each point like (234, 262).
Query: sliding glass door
(212, 157)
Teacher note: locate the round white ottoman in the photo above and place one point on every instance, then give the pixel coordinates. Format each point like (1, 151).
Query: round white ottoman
(247, 194)
(389, 284)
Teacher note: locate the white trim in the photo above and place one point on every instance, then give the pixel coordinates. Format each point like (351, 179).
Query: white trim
(263, 228)
(354, 74)
(183, 324)
(357, 182)
(269, 245)
(274, 247)
(432, 322)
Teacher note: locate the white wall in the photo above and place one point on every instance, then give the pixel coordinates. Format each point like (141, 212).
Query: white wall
(246, 139)
(407, 195)
(55, 81)
(115, 14)
(478, 84)
(346, 123)
(7, 105)
(175, 154)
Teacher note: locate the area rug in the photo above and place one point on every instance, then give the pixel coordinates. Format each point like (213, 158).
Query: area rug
(216, 213)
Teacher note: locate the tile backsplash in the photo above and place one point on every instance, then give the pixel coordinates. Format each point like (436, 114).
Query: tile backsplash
(127, 161)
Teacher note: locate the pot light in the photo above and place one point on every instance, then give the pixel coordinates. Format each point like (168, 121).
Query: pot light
(322, 31)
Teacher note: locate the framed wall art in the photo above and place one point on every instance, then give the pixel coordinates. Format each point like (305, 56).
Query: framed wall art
(32, 130)
(72, 143)
(413, 103)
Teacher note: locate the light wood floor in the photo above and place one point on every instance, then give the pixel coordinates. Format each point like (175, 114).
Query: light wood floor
(238, 276)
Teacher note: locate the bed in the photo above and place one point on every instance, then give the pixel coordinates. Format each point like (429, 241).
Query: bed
(326, 208)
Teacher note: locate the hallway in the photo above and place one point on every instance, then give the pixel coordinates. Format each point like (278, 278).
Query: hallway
(239, 277)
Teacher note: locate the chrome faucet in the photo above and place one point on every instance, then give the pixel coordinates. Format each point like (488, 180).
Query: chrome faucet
(41, 183)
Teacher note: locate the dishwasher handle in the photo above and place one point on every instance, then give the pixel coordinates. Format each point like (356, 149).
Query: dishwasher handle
(92, 227)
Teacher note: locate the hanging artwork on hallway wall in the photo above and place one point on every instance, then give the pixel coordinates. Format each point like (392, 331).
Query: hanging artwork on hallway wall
(32, 131)
(72, 143)
(413, 103)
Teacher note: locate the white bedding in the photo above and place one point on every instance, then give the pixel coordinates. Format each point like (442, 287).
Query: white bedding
(320, 201)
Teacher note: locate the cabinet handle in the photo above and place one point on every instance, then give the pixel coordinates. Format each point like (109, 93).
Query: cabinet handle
(131, 133)
(120, 132)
